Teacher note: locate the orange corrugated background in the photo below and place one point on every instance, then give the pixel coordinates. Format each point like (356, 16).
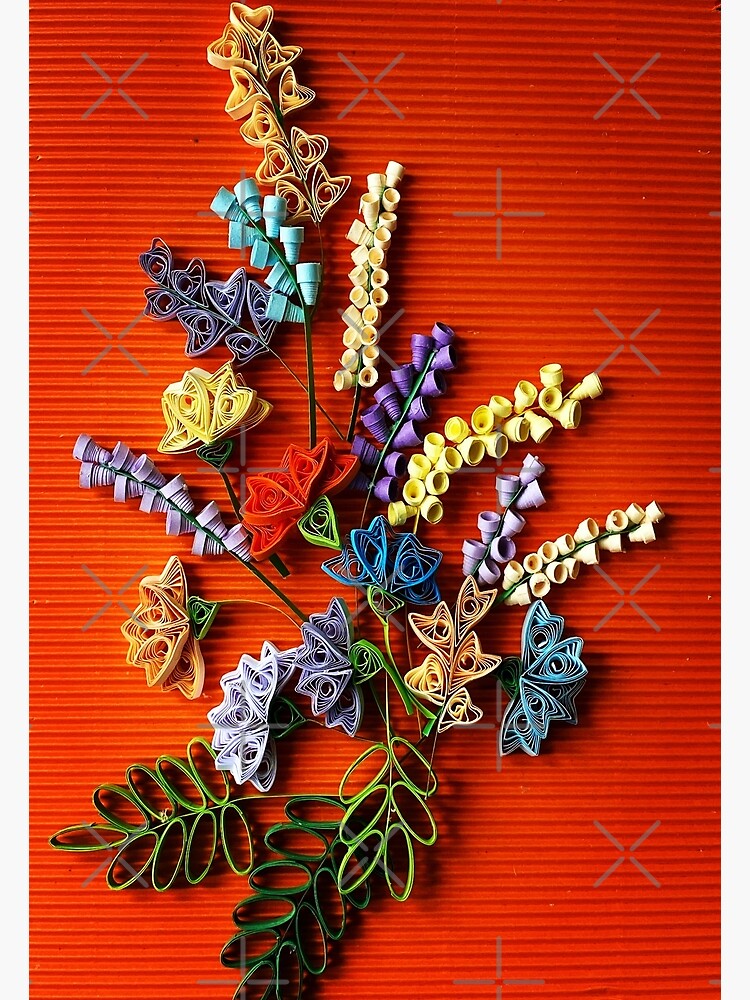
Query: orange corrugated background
(631, 226)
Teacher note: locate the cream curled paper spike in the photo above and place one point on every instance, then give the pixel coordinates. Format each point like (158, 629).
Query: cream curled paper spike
(327, 190)
(261, 126)
(273, 57)
(246, 92)
(232, 49)
(204, 407)
(299, 205)
(310, 149)
(292, 95)
(276, 163)
(253, 22)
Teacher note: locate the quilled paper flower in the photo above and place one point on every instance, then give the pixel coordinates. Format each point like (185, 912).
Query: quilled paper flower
(203, 407)
(543, 683)
(455, 657)
(160, 639)
(393, 568)
(326, 673)
(242, 735)
(277, 501)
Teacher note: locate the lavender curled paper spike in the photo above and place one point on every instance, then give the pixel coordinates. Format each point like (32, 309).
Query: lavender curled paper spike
(409, 437)
(395, 464)
(442, 334)
(162, 304)
(403, 379)
(87, 450)
(190, 281)
(488, 522)
(531, 469)
(156, 263)
(421, 348)
(532, 496)
(513, 523)
(434, 384)
(389, 398)
(375, 420)
(507, 487)
(387, 489)
(419, 410)
(366, 452)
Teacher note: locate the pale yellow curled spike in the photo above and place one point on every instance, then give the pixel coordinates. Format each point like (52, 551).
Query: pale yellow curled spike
(556, 572)
(540, 427)
(532, 563)
(516, 429)
(399, 513)
(589, 554)
(551, 374)
(343, 379)
(495, 444)
(433, 446)
(520, 595)
(431, 509)
(586, 530)
(501, 408)
(471, 450)
(419, 466)
(611, 543)
(482, 420)
(523, 396)
(293, 95)
(456, 429)
(414, 492)
(512, 573)
(246, 90)
(368, 376)
(539, 585)
(617, 520)
(572, 566)
(643, 533)
(588, 388)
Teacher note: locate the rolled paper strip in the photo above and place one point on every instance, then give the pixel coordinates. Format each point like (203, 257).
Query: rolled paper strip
(610, 543)
(617, 520)
(125, 489)
(548, 552)
(489, 572)
(586, 530)
(210, 519)
(359, 233)
(122, 457)
(382, 238)
(352, 341)
(532, 563)
(368, 376)
(176, 524)
(471, 450)
(375, 257)
(512, 523)
(431, 509)
(550, 375)
(419, 409)
(445, 359)
(359, 256)
(643, 533)
(434, 444)
(437, 482)
(475, 551)
(524, 395)
(152, 502)
(176, 490)
(572, 566)
(292, 238)
(403, 379)
(390, 399)
(366, 452)
(369, 206)
(388, 220)
(512, 573)
(482, 420)
(281, 310)
(274, 213)
(378, 297)
(204, 545)
(540, 427)
(531, 469)
(520, 595)
(589, 554)
(516, 429)
(87, 450)
(565, 544)
(379, 277)
(495, 444)
(394, 172)
(352, 317)
(654, 513)
(507, 486)
(399, 513)
(371, 315)
(376, 183)
(386, 489)
(442, 334)
(240, 236)
(419, 466)
(409, 437)
(225, 205)
(450, 461)
(343, 379)
(370, 334)
(550, 399)
(488, 522)
(390, 199)
(90, 475)
(414, 492)
(501, 408)
(360, 483)
(568, 415)
(371, 354)
(259, 254)
(248, 195)
(589, 388)
(539, 585)
(238, 541)
(502, 549)
(395, 464)
(433, 385)
(456, 429)
(350, 359)
(635, 513)
(279, 279)
(145, 471)
(421, 348)
(375, 420)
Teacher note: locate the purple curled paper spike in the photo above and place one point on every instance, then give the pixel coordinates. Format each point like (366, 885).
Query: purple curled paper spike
(419, 409)
(421, 348)
(204, 330)
(152, 502)
(375, 420)
(532, 496)
(177, 492)
(488, 522)
(434, 384)
(512, 523)
(228, 297)
(387, 489)
(395, 464)
(489, 572)
(507, 487)
(87, 450)
(146, 472)
(474, 553)
(176, 524)
(190, 281)
(444, 360)
(367, 453)
(502, 549)
(156, 263)
(443, 334)
(91, 475)
(360, 483)
(126, 489)
(409, 437)
(162, 303)
(390, 399)
(531, 469)
(403, 379)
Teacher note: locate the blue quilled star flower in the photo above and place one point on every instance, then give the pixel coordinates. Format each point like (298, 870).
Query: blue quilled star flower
(393, 568)
(543, 682)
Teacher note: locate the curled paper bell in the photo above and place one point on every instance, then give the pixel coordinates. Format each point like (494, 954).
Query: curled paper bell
(378, 297)
(408, 437)
(539, 585)
(445, 359)
(281, 310)
(292, 238)
(366, 452)
(434, 444)
(501, 408)
(516, 429)
(488, 522)
(548, 552)
(388, 220)
(414, 492)
(540, 427)
(390, 199)
(403, 379)
(419, 409)
(568, 415)
(359, 255)
(643, 533)
(531, 497)
(371, 315)
(145, 471)
(433, 385)
(390, 399)
(565, 544)
(369, 206)
(90, 476)
(374, 419)
(653, 512)
(279, 279)
(381, 238)
(513, 523)
(589, 554)
(482, 420)
(376, 183)
(371, 354)
(471, 450)
(550, 399)
(507, 486)
(360, 234)
(274, 213)
(177, 492)
(386, 489)
(225, 205)
(473, 555)
(531, 469)
(489, 572)
(436, 482)
(512, 573)
(442, 334)
(87, 450)
(343, 379)
(635, 513)
(523, 396)
(375, 257)
(550, 375)
(456, 429)
(589, 388)
(586, 530)
(520, 595)
(419, 466)
(502, 549)
(368, 376)
(610, 543)
(379, 277)
(352, 341)
(450, 461)
(532, 563)
(495, 444)
(350, 359)
(617, 520)
(572, 566)
(395, 464)
(399, 513)
(431, 509)
(248, 195)
(394, 172)
(421, 348)
(240, 236)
